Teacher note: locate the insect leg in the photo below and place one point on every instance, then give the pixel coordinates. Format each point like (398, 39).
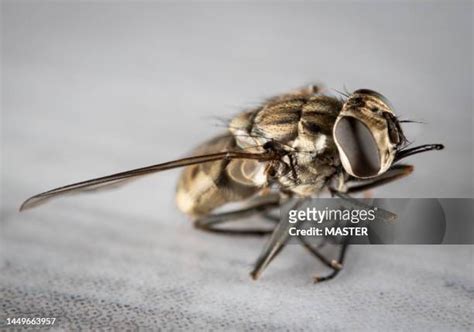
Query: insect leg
(333, 264)
(350, 202)
(207, 223)
(394, 173)
(334, 273)
(239, 232)
(274, 245)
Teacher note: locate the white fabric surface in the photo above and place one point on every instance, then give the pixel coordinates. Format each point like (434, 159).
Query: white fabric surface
(91, 89)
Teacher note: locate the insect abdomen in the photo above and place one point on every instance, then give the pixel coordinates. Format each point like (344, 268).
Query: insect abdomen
(205, 187)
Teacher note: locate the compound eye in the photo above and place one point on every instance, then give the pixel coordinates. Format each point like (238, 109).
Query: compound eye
(358, 146)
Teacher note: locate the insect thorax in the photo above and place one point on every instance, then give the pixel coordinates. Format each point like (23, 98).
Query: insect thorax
(301, 126)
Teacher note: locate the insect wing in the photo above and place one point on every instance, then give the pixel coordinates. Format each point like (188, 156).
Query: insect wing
(114, 179)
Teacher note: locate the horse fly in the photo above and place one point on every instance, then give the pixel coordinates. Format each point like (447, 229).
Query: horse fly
(293, 146)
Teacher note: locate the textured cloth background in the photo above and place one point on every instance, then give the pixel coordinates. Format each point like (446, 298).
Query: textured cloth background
(94, 88)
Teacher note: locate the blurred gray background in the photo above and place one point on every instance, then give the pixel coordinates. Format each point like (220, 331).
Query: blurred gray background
(92, 88)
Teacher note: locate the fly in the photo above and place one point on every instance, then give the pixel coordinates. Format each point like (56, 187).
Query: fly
(292, 147)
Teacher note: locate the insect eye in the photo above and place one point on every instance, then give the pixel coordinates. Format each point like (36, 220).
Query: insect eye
(359, 150)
